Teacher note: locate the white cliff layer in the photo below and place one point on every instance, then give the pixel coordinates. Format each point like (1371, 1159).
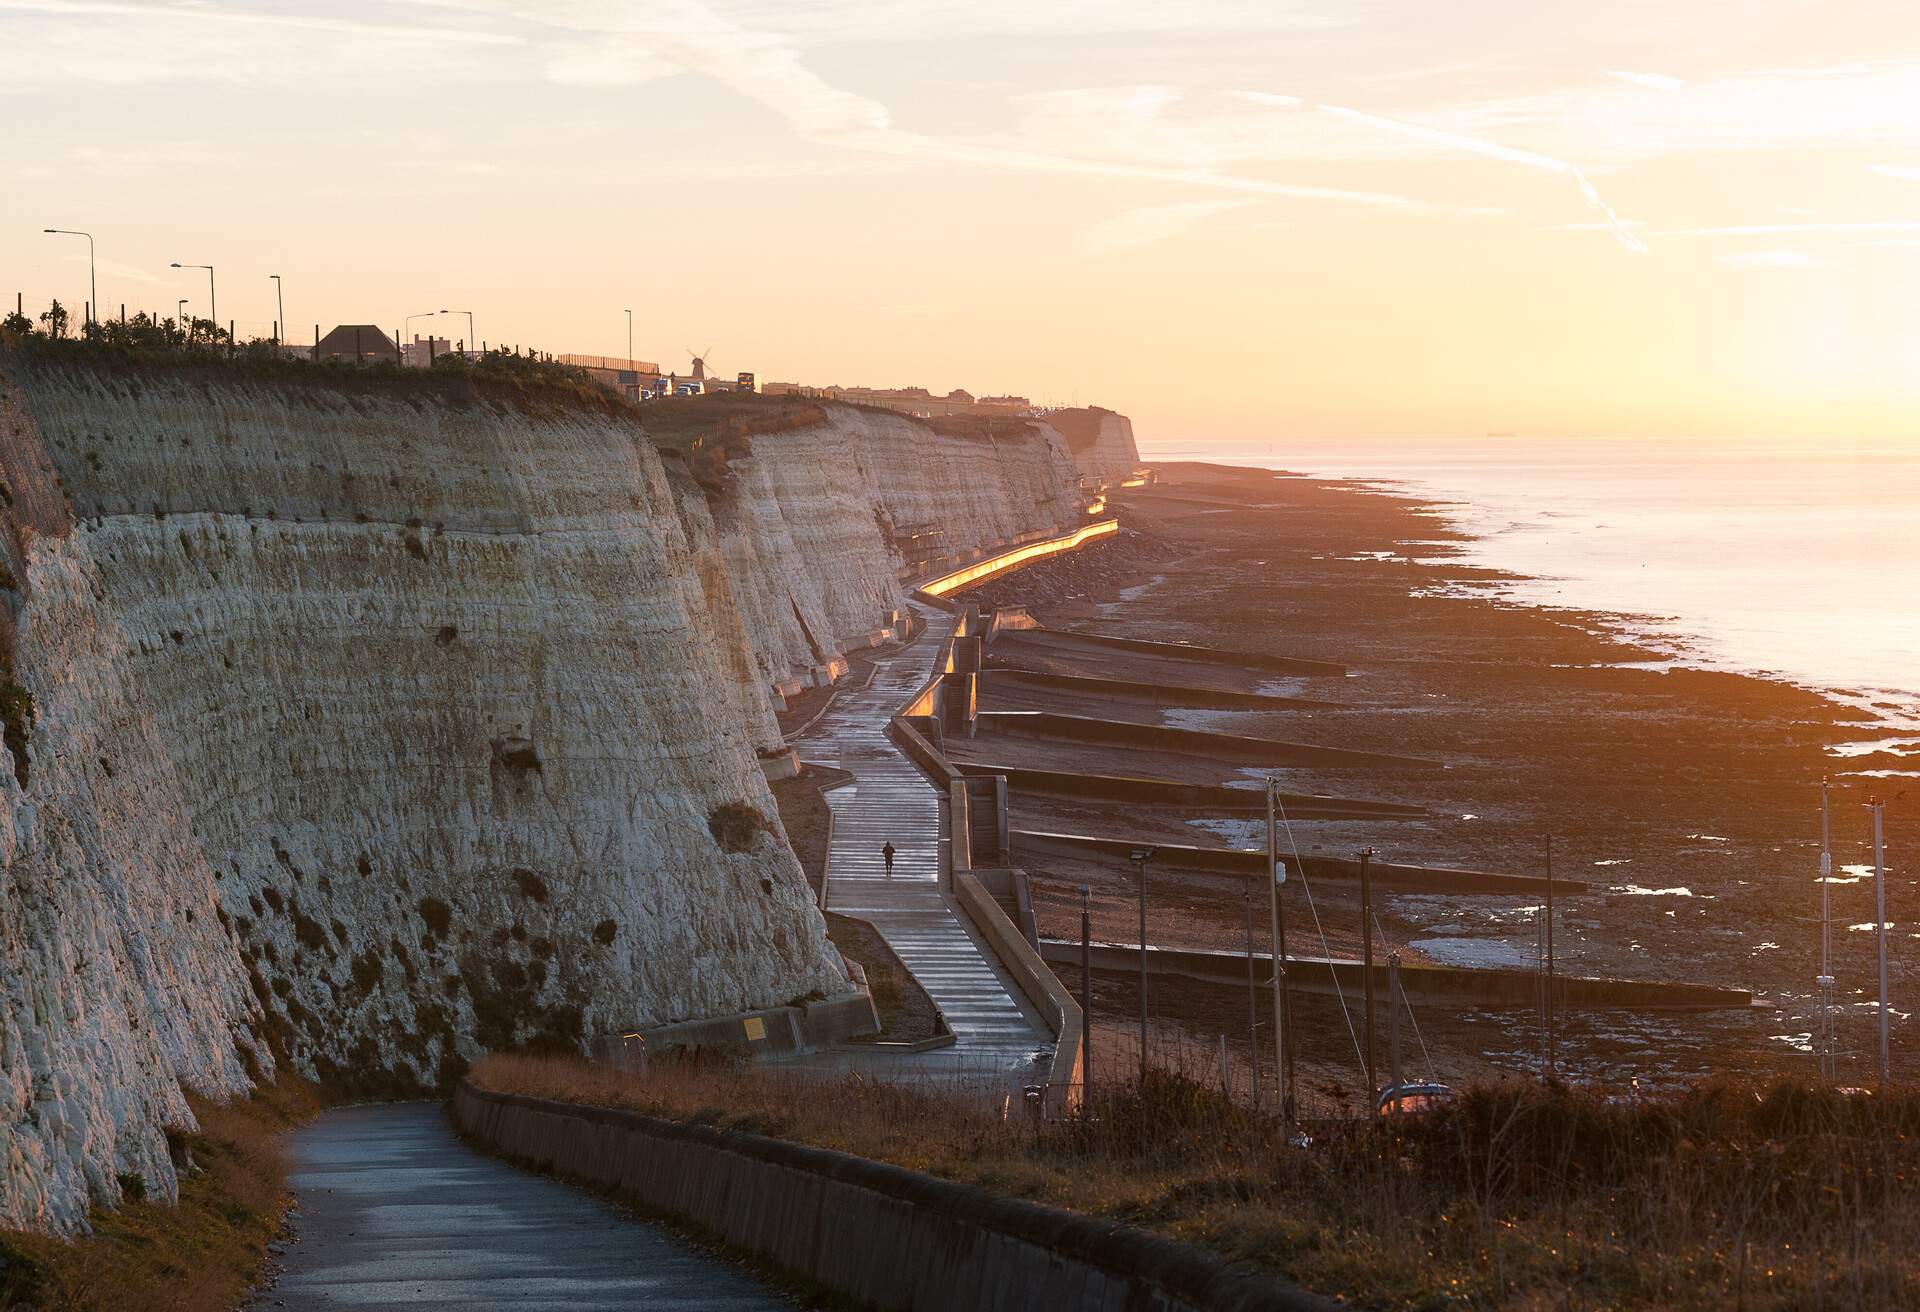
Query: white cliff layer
(382, 721)
(1101, 441)
(820, 520)
(120, 982)
(440, 704)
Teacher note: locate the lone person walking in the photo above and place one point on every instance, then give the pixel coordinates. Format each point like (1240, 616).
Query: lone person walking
(887, 853)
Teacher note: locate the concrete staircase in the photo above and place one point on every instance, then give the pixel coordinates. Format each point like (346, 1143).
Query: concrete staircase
(891, 800)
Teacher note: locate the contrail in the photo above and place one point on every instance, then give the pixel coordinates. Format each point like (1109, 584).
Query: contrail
(1494, 150)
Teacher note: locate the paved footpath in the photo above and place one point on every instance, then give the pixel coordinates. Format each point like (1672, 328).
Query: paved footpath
(890, 799)
(397, 1213)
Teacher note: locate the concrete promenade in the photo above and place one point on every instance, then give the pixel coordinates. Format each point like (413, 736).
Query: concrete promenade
(998, 1039)
(395, 1212)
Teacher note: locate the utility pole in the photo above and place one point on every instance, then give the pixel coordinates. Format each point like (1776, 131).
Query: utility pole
(1394, 999)
(1879, 809)
(1086, 996)
(629, 339)
(1276, 914)
(1253, 998)
(1366, 930)
(1826, 930)
(279, 299)
(1142, 855)
(1552, 1052)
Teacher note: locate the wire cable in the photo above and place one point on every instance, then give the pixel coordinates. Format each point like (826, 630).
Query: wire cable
(1359, 1058)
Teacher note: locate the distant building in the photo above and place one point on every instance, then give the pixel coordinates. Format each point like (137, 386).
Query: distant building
(631, 378)
(418, 354)
(361, 343)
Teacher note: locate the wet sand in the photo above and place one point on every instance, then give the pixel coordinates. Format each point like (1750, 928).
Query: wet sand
(1687, 799)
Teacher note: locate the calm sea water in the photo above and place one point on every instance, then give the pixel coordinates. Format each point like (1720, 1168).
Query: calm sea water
(1796, 559)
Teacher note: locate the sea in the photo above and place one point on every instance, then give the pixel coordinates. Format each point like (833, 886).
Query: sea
(1795, 559)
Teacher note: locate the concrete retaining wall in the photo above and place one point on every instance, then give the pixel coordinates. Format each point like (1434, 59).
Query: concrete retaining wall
(889, 1237)
(1021, 555)
(1067, 1075)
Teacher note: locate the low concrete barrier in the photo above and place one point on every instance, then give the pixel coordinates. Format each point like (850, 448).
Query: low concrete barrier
(1481, 986)
(1252, 863)
(886, 1236)
(1004, 673)
(1250, 660)
(1212, 798)
(769, 1032)
(1231, 747)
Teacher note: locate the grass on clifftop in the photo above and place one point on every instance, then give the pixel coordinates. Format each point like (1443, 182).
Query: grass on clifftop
(1758, 1197)
(200, 1256)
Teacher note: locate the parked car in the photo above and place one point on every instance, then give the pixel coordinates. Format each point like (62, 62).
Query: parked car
(1414, 1098)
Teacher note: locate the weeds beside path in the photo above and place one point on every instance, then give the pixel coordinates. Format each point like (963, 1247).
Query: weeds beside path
(200, 1256)
(1773, 1197)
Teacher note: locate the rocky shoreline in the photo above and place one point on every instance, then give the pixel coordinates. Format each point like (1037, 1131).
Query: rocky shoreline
(1688, 799)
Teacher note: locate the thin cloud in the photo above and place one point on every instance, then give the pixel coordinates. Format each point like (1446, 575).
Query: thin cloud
(1134, 229)
(216, 14)
(766, 68)
(1793, 229)
(1652, 81)
(1494, 150)
(1767, 259)
(1905, 173)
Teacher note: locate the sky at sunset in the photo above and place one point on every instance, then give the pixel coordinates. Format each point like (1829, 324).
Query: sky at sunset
(1237, 222)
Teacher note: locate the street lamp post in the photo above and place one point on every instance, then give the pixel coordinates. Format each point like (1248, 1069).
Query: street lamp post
(472, 344)
(280, 300)
(629, 339)
(213, 304)
(93, 287)
(407, 326)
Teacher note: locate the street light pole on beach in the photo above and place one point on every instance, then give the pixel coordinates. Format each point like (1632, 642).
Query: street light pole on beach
(213, 304)
(93, 287)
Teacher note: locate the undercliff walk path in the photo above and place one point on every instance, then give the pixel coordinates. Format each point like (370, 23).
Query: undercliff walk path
(395, 1212)
(998, 1041)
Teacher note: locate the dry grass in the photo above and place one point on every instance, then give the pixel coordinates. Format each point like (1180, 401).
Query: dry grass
(1763, 1197)
(200, 1256)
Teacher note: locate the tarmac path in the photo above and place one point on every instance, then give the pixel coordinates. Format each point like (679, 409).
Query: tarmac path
(394, 1212)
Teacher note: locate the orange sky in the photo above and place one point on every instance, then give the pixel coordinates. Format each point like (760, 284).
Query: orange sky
(1237, 222)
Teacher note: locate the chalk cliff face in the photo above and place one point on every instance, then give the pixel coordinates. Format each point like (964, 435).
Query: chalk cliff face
(819, 519)
(1101, 442)
(430, 722)
(119, 978)
(378, 722)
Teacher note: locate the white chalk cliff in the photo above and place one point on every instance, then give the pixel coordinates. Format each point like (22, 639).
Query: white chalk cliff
(380, 722)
